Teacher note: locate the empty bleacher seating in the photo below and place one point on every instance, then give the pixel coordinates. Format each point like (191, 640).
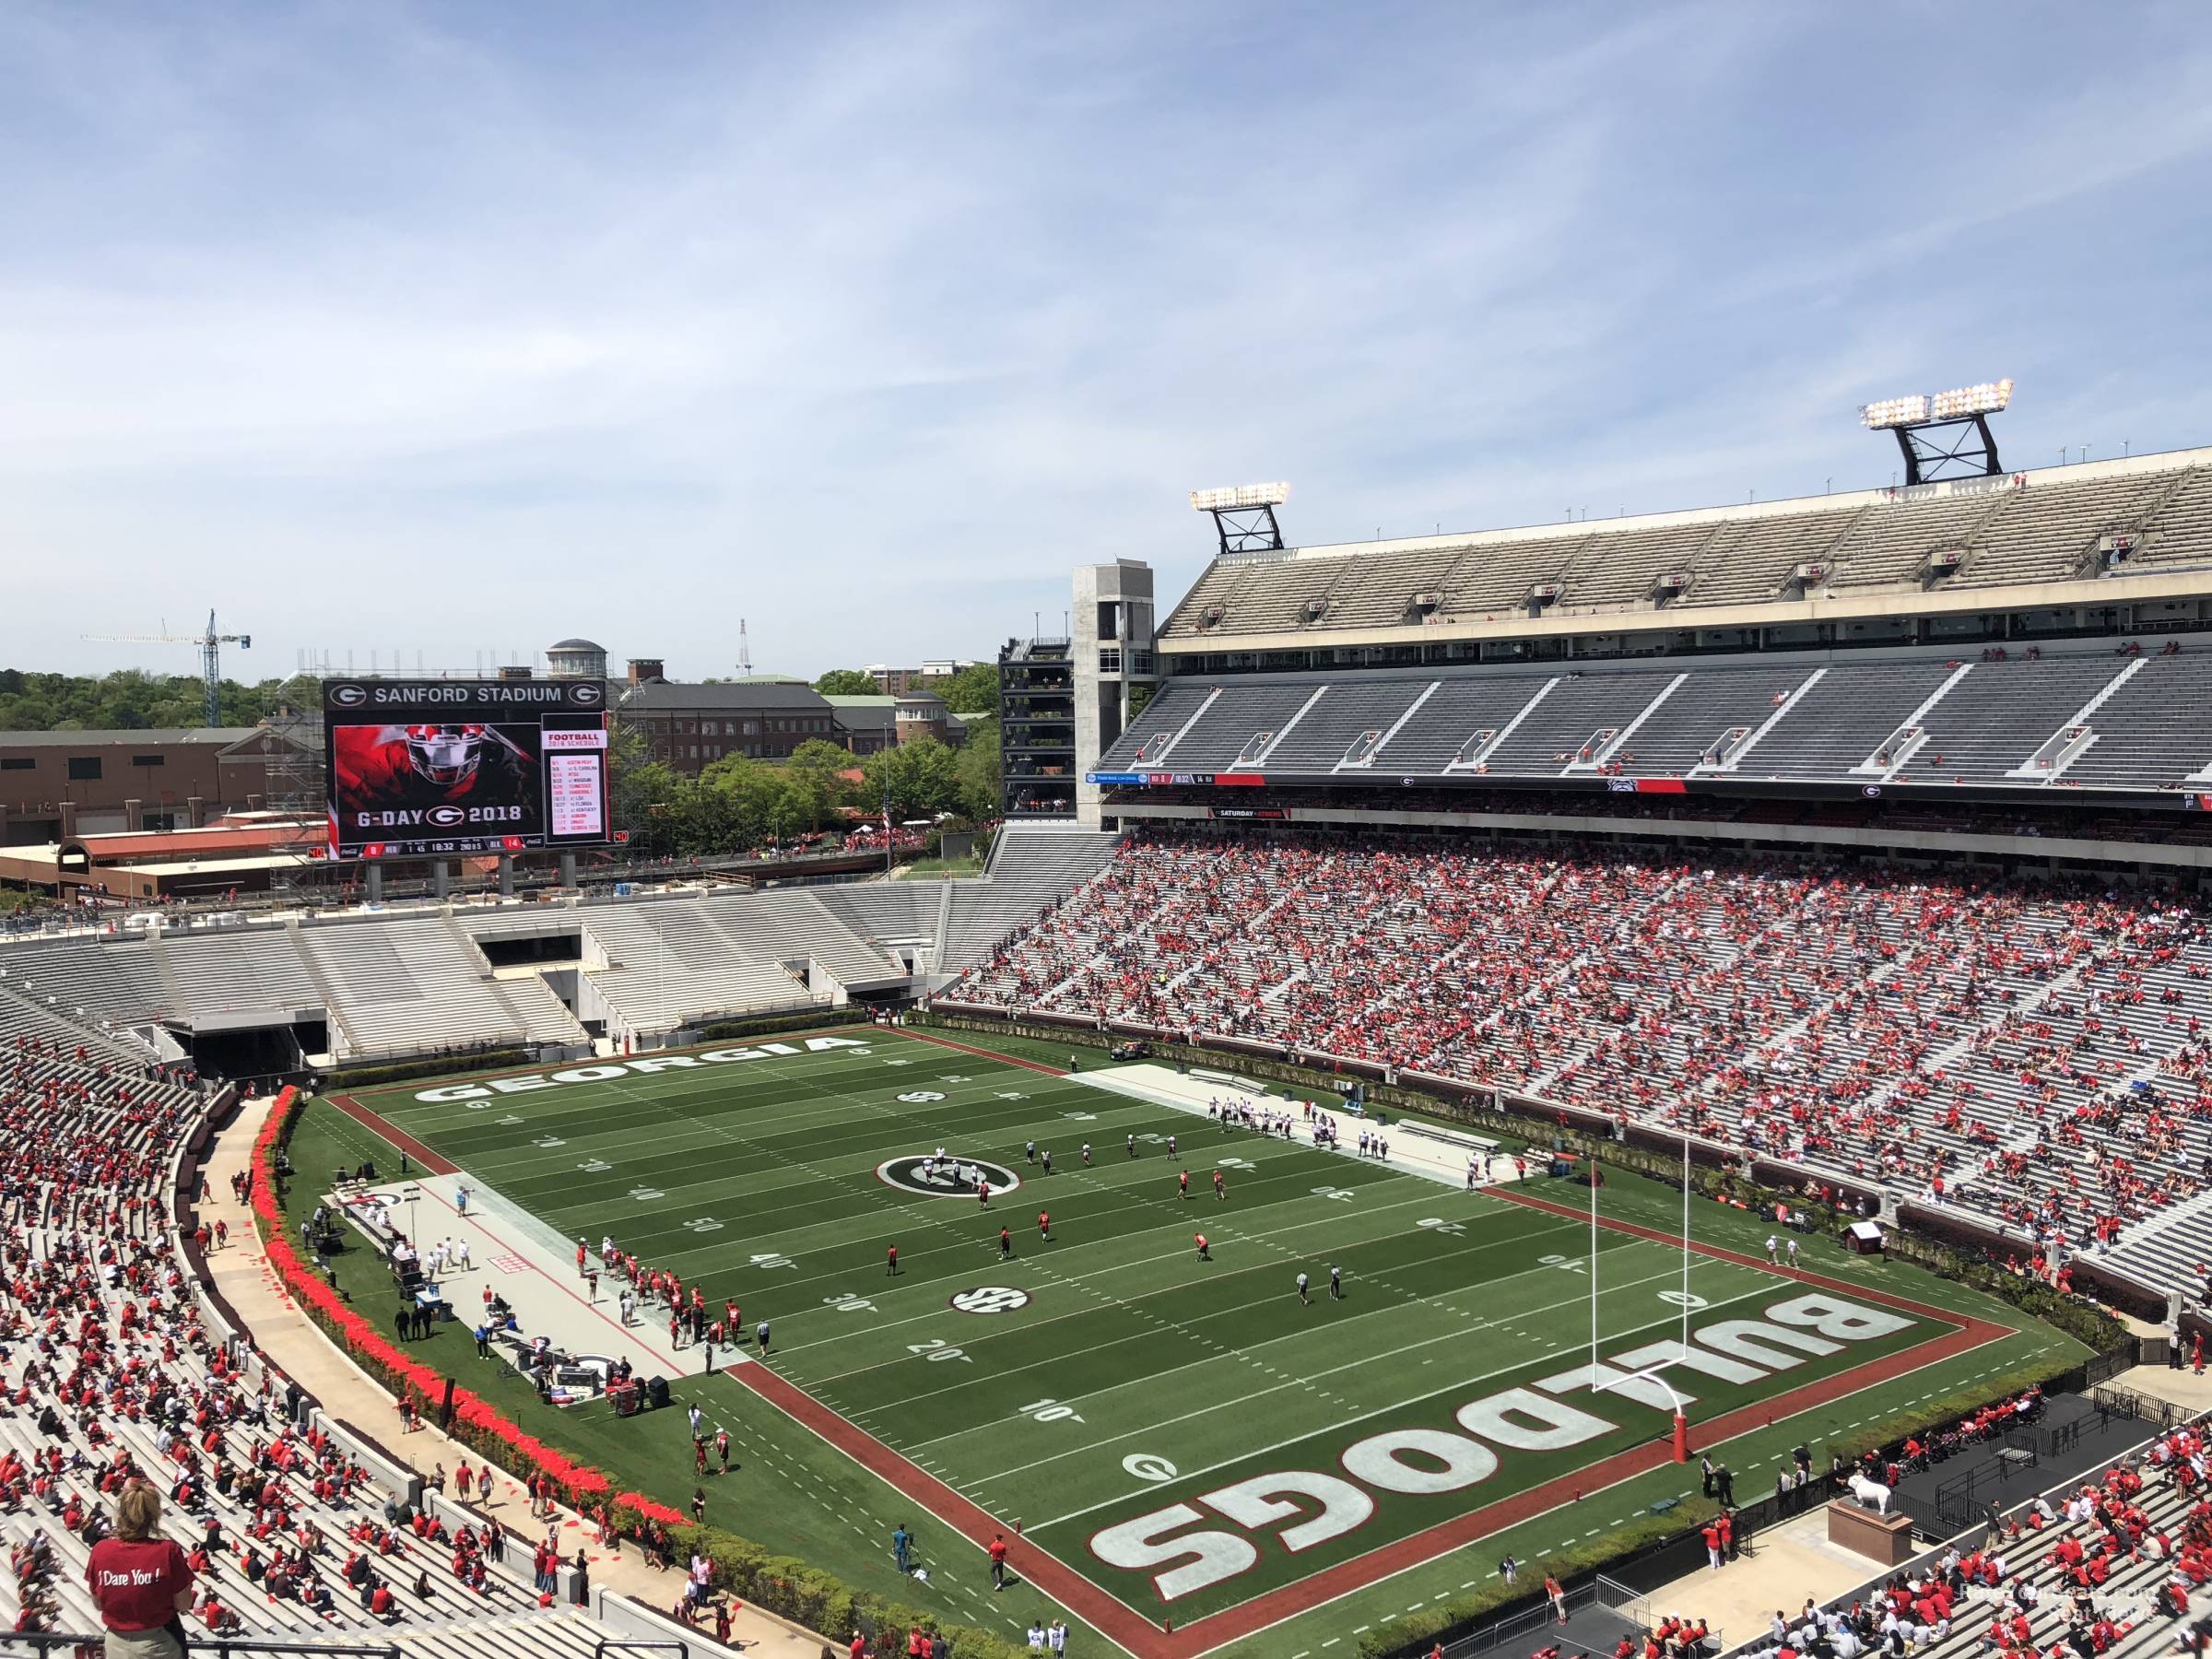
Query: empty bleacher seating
(2042, 526)
(1983, 721)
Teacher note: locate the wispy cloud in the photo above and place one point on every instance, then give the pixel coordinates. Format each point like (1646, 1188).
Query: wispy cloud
(446, 330)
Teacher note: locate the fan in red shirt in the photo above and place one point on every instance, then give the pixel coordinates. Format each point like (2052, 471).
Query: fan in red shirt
(140, 1580)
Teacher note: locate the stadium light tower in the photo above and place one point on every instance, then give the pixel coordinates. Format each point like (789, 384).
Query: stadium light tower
(1244, 515)
(1943, 434)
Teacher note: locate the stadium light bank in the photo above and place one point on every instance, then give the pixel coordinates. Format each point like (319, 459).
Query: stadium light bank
(1943, 434)
(1244, 515)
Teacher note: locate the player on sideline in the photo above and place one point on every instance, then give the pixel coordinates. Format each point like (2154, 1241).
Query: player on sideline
(1171, 1146)
(1470, 1171)
(761, 1335)
(1204, 1255)
(1304, 1300)
(1182, 1185)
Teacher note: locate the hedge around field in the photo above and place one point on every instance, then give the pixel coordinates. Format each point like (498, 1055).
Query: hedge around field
(822, 1602)
(804, 1019)
(433, 1065)
(825, 1605)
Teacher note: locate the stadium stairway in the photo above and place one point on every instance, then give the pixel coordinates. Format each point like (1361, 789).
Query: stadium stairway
(1032, 868)
(2174, 1248)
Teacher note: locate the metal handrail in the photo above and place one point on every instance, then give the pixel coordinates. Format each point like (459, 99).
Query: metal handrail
(633, 1644)
(221, 1646)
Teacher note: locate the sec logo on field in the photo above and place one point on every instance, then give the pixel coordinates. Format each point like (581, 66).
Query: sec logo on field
(991, 1299)
(925, 1177)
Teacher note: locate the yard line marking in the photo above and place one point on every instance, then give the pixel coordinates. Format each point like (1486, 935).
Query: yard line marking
(1441, 1299)
(1310, 1384)
(1082, 1282)
(1576, 1347)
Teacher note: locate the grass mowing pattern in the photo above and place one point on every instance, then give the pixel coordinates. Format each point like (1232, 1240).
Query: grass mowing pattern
(1128, 1347)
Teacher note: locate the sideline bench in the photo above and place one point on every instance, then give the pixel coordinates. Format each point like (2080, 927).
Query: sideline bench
(1455, 1138)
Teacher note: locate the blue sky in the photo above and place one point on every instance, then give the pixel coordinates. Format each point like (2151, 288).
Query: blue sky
(461, 329)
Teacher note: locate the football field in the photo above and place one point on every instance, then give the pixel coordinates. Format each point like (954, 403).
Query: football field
(1172, 1439)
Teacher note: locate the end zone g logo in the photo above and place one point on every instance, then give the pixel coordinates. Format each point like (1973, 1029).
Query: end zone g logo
(943, 1179)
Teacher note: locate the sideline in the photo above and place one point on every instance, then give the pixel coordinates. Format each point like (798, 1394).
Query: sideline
(1112, 1617)
(299, 1348)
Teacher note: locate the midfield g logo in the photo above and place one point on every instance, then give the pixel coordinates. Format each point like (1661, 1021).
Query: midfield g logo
(952, 1176)
(989, 1298)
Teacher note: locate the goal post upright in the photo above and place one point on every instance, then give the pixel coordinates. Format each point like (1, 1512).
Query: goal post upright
(1592, 1173)
(1686, 1239)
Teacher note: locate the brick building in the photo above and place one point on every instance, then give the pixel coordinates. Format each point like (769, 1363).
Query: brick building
(690, 727)
(58, 785)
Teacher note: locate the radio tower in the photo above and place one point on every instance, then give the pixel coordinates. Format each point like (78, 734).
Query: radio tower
(745, 653)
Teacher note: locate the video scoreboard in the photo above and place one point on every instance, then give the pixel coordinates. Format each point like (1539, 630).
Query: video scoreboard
(423, 767)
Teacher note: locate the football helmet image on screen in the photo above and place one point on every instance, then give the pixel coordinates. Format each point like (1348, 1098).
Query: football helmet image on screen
(459, 777)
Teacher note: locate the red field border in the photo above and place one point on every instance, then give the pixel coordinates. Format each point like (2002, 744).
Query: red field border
(431, 1163)
(1114, 1618)
(984, 1053)
(1088, 1601)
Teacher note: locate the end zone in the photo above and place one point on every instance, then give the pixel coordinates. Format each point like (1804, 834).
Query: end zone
(1139, 1636)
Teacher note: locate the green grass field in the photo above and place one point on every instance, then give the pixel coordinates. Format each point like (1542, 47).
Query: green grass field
(1186, 1436)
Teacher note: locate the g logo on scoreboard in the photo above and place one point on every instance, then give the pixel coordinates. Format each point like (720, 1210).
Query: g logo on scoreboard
(943, 1180)
(349, 697)
(445, 816)
(587, 692)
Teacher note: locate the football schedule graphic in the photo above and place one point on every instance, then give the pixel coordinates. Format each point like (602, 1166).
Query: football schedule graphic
(422, 768)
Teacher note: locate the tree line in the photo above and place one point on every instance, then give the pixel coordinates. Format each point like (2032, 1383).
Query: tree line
(973, 691)
(134, 700)
(737, 804)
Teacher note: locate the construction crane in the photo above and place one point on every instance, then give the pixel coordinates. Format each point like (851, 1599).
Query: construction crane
(211, 656)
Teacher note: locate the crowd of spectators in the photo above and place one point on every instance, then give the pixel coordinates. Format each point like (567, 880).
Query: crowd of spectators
(2109, 1568)
(2032, 1051)
(111, 1381)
